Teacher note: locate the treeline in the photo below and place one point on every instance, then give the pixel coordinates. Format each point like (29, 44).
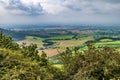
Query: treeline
(24, 63)
(47, 43)
(16, 35)
(101, 38)
(113, 34)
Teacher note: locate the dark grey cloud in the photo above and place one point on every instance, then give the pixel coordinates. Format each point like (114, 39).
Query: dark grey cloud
(31, 10)
(74, 7)
(108, 1)
(54, 7)
(112, 1)
(60, 10)
(94, 6)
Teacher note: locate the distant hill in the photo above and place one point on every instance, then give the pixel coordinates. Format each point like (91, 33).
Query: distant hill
(6, 32)
(16, 35)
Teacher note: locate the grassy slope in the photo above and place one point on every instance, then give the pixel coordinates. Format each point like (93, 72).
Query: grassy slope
(32, 39)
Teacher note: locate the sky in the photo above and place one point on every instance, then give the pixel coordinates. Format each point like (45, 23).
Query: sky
(59, 11)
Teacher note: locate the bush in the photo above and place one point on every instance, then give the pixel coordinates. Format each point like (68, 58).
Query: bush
(101, 63)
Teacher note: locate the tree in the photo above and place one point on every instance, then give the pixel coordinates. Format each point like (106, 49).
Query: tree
(70, 62)
(24, 63)
(43, 59)
(31, 51)
(101, 63)
(7, 42)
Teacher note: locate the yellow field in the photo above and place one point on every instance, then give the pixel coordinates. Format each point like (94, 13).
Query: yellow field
(71, 43)
(51, 52)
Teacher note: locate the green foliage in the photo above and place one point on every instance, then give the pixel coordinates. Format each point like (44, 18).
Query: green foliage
(24, 63)
(13, 65)
(70, 63)
(43, 59)
(7, 42)
(94, 64)
(31, 52)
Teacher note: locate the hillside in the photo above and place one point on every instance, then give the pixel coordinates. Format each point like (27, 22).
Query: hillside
(16, 35)
(24, 63)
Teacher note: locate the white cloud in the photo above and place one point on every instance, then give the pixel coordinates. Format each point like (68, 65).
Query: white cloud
(2, 11)
(58, 6)
(52, 8)
(62, 10)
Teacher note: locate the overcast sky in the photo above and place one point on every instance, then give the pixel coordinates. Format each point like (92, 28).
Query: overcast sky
(59, 11)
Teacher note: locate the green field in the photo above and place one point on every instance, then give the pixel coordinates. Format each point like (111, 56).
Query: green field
(61, 37)
(102, 43)
(109, 43)
(72, 40)
(61, 42)
(32, 39)
(105, 40)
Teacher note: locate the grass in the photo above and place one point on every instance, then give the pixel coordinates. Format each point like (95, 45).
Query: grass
(110, 43)
(71, 43)
(114, 44)
(61, 37)
(60, 66)
(32, 39)
(105, 40)
(62, 44)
